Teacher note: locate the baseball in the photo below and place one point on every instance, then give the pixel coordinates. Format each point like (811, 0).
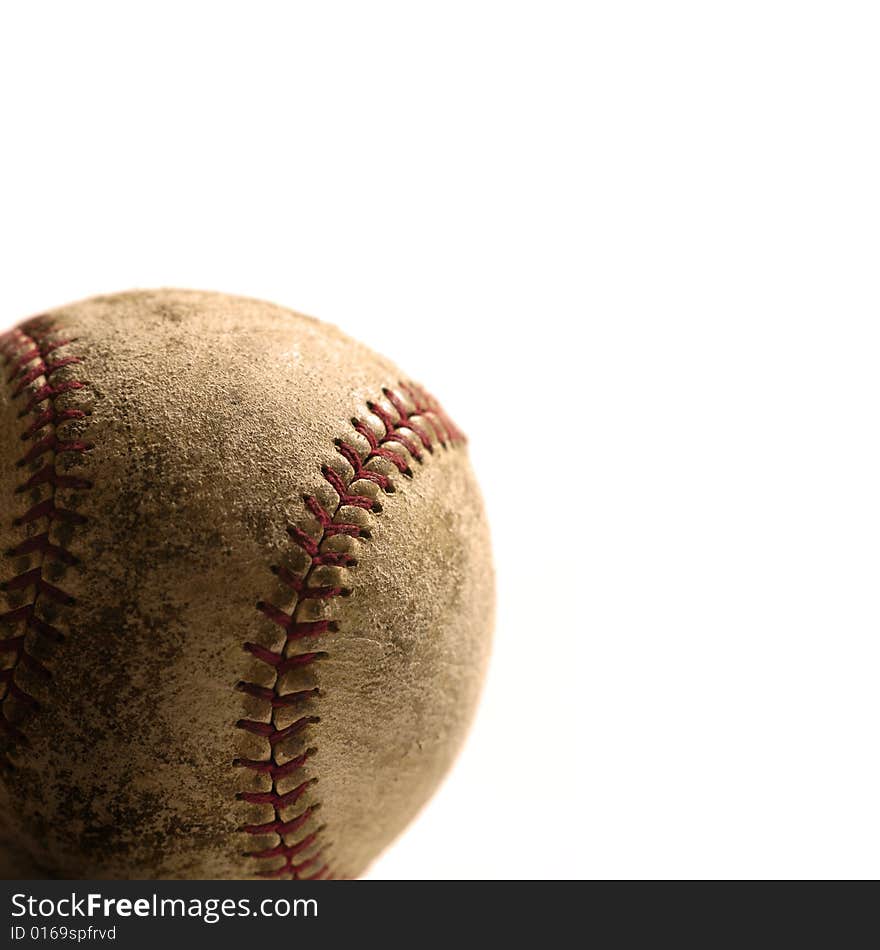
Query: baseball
(246, 597)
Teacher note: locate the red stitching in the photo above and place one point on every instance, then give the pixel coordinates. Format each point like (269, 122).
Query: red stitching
(413, 424)
(48, 474)
(276, 771)
(49, 392)
(285, 849)
(273, 735)
(48, 509)
(273, 798)
(41, 542)
(282, 827)
(25, 351)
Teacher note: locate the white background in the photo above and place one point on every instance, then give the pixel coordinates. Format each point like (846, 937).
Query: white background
(634, 248)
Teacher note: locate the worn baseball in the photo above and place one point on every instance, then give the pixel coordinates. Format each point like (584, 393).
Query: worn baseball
(247, 593)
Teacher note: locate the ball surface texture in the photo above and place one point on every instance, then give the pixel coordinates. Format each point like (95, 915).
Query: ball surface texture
(246, 598)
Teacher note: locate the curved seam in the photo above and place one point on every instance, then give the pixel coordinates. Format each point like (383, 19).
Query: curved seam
(414, 424)
(26, 350)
